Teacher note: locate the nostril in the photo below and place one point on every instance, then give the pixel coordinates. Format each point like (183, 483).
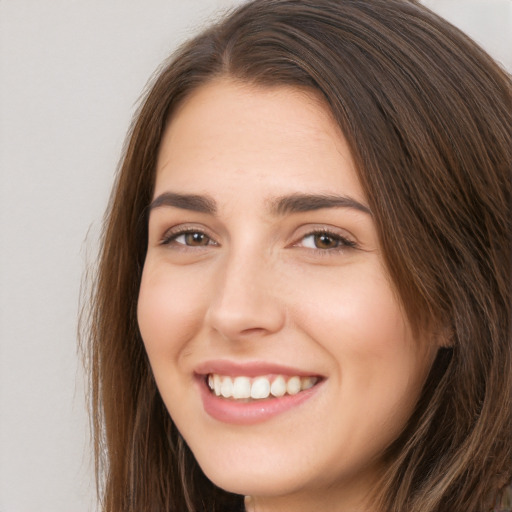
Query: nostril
(242, 317)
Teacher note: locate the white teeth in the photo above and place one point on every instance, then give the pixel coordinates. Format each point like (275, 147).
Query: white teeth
(293, 385)
(278, 387)
(260, 388)
(216, 384)
(226, 387)
(243, 388)
(307, 383)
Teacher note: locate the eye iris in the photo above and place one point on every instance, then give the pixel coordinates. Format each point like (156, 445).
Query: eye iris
(196, 239)
(325, 241)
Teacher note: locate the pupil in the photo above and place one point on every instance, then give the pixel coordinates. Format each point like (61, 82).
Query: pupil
(196, 239)
(325, 241)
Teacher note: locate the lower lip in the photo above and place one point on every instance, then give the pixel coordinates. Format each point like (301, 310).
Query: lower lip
(249, 413)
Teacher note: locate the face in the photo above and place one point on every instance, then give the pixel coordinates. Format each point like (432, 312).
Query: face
(274, 333)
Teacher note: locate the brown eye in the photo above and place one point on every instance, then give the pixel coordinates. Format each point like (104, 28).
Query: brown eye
(326, 241)
(194, 239)
(188, 239)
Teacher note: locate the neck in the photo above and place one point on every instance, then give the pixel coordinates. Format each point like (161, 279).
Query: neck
(332, 499)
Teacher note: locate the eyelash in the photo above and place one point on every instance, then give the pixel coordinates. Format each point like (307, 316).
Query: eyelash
(173, 235)
(342, 243)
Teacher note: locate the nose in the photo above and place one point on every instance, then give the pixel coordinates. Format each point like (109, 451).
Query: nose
(246, 302)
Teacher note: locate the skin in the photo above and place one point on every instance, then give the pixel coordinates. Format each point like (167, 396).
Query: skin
(256, 285)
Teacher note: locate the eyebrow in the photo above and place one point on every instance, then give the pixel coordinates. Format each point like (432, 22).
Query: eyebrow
(294, 203)
(194, 202)
(297, 203)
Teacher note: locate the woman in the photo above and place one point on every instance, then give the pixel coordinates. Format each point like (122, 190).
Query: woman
(303, 294)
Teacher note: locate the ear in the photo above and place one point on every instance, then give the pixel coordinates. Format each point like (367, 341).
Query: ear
(443, 336)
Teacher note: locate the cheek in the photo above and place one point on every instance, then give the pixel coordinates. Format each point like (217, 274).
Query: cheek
(378, 365)
(169, 310)
(354, 313)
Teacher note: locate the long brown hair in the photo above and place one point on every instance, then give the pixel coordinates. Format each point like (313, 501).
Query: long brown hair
(427, 115)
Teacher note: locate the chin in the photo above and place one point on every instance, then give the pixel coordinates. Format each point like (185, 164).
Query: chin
(254, 483)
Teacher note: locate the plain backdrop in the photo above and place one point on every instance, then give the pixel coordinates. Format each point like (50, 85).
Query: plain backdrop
(71, 72)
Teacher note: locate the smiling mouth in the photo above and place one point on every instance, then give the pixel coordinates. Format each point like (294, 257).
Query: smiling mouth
(247, 389)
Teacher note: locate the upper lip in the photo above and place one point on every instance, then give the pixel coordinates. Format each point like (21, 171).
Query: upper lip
(249, 369)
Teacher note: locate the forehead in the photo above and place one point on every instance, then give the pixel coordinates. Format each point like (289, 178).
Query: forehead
(284, 136)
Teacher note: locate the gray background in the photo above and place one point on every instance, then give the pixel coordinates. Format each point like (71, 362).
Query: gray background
(71, 72)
